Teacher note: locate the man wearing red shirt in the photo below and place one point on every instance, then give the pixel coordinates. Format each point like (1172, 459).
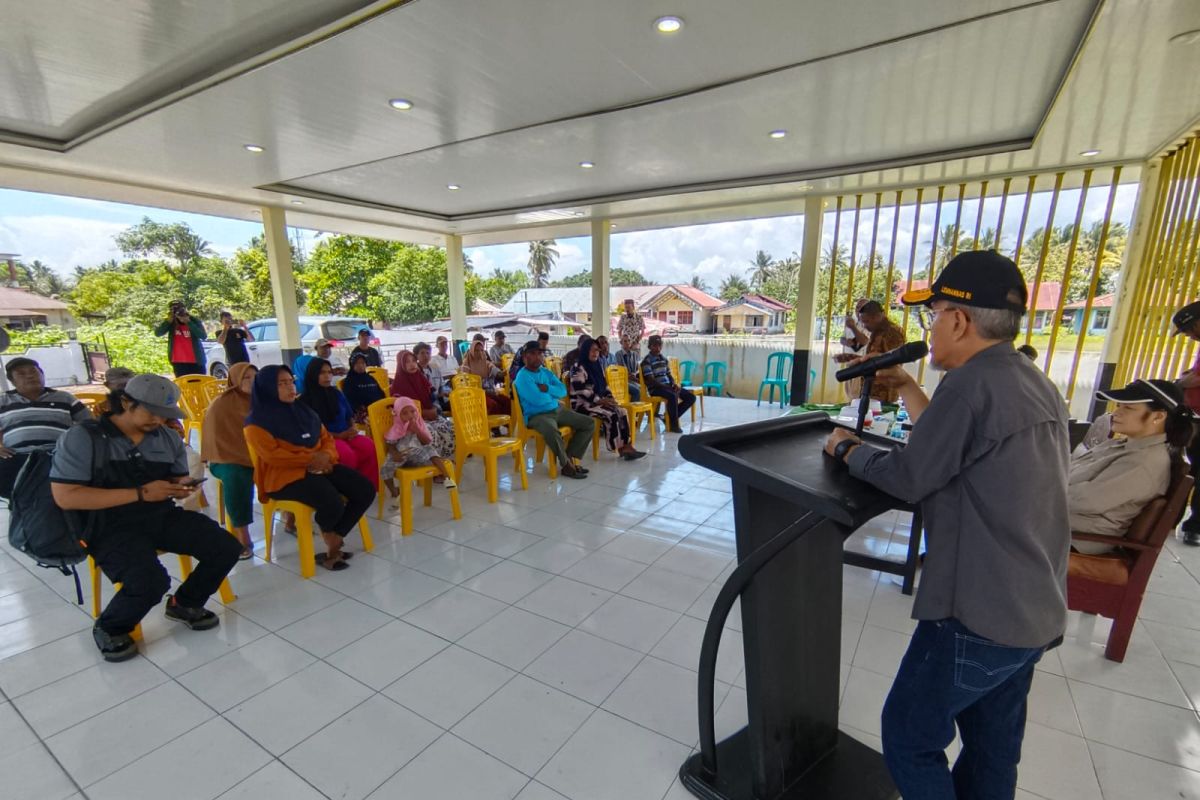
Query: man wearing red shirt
(184, 336)
(1187, 323)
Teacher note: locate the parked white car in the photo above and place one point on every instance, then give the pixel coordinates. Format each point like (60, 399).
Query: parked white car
(265, 349)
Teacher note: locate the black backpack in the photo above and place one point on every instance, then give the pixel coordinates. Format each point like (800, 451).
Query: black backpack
(37, 526)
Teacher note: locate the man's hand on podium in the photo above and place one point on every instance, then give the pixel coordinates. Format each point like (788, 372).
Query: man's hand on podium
(843, 437)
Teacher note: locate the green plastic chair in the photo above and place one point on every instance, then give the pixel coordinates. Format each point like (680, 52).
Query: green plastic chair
(714, 377)
(779, 373)
(463, 347)
(686, 368)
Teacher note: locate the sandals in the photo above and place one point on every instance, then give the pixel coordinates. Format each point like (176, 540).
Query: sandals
(321, 558)
(246, 554)
(333, 566)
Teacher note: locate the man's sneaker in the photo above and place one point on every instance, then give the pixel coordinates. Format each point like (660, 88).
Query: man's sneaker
(114, 646)
(1192, 538)
(198, 619)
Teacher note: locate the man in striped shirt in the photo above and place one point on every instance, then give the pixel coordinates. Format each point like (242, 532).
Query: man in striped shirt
(32, 417)
(656, 372)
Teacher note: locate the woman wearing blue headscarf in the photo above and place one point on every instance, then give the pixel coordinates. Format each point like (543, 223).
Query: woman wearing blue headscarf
(590, 395)
(297, 460)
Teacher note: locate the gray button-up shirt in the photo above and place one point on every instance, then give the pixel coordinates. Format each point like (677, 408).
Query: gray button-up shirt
(988, 461)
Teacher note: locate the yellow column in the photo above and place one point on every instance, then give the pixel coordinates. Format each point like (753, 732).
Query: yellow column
(458, 287)
(601, 277)
(283, 282)
(806, 299)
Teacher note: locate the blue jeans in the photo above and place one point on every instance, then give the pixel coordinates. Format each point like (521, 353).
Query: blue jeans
(950, 675)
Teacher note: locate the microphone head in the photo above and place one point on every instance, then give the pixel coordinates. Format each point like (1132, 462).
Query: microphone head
(914, 350)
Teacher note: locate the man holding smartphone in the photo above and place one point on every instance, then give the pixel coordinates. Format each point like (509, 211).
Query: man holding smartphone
(127, 492)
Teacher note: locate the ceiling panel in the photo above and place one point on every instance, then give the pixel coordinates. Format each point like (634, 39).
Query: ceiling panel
(968, 86)
(68, 65)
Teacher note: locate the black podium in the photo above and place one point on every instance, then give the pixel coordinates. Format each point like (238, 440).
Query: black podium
(793, 508)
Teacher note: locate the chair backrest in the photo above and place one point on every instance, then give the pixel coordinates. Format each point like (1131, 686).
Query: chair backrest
(196, 392)
(381, 377)
(463, 347)
(465, 379)
(686, 369)
(518, 418)
(673, 366)
(379, 420)
(618, 382)
(1159, 517)
(555, 365)
(714, 371)
(506, 362)
(779, 366)
(469, 405)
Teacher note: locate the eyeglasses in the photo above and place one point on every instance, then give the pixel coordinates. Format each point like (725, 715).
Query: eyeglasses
(927, 316)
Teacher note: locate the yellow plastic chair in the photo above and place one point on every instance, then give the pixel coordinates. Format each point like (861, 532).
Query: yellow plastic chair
(472, 381)
(525, 434)
(185, 569)
(505, 364)
(381, 417)
(381, 377)
(94, 401)
(554, 364)
(655, 402)
(618, 384)
(472, 436)
(304, 527)
(673, 365)
(195, 394)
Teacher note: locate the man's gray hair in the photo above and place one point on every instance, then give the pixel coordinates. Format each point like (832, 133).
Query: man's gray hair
(998, 324)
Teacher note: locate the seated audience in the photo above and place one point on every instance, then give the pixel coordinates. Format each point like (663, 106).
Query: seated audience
(445, 360)
(333, 409)
(499, 348)
(476, 363)
(360, 388)
(146, 469)
(607, 359)
(543, 340)
(223, 448)
(364, 347)
(409, 381)
(590, 395)
(298, 460)
(323, 349)
(656, 372)
(1111, 483)
(433, 373)
(300, 370)
(574, 355)
(539, 391)
(627, 357)
(32, 417)
(114, 378)
(409, 444)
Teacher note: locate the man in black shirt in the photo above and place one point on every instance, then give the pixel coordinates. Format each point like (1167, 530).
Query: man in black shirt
(364, 347)
(234, 336)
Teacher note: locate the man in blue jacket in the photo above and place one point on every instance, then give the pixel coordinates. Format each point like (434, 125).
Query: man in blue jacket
(539, 391)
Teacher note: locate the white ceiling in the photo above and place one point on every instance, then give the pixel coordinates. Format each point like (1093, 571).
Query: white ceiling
(152, 102)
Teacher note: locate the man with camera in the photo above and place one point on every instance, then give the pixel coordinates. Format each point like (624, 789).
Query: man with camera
(233, 338)
(185, 335)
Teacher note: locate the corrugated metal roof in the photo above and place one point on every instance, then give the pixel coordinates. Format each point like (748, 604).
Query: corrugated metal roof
(20, 298)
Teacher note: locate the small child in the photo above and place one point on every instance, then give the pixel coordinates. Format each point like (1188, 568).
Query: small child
(409, 445)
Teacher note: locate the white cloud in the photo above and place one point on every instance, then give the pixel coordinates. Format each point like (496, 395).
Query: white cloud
(60, 241)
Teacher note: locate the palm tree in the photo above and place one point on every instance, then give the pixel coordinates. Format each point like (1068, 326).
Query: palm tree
(542, 255)
(698, 283)
(733, 287)
(761, 269)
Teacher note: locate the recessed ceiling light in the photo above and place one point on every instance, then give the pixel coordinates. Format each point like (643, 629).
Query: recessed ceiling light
(778, 134)
(297, 202)
(805, 188)
(668, 24)
(578, 214)
(1187, 37)
(454, 187)
(254, 148)
(612, 226)
(1089, 153)
(400, 104)
(586, 164)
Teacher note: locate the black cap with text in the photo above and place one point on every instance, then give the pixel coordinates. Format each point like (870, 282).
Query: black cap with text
(980, 278)
(1186, 317)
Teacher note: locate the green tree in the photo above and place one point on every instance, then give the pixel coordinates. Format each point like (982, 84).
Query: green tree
(733, 287)
(414, 286)
(618, 276)
(140, 290)
(174, 242)
(338, 273)
(761, 269)
(250, 265)
(40, 278)
(501, 285)
(698, 283)
(543, 253)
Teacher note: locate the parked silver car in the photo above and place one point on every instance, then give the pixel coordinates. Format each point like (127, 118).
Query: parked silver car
(265, 349)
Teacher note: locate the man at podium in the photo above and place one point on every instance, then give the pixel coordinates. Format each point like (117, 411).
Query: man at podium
(987, 461)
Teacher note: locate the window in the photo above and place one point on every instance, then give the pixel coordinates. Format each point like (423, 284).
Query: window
(267, 332)
(344, 329)
(662, 316)
(754, 320)
(685, 318)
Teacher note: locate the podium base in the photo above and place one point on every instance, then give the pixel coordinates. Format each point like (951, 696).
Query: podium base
(852, 770)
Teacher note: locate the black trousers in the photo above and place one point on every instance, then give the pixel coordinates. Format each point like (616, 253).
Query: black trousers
(1192, 523)
(9, 467)
(676, 405)
(339, 498)
(186, 369)
(129, 555)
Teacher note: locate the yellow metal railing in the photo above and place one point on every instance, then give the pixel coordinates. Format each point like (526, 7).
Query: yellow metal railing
(1169, 273)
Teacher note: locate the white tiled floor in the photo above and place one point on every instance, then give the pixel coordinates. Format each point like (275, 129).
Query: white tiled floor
(540, 648)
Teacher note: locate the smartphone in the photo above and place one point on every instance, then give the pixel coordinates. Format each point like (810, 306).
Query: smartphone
(193, 482)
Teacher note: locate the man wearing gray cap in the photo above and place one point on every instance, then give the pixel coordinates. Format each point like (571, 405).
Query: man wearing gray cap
(127, 491)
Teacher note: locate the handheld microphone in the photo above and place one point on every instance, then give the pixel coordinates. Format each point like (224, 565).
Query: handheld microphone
(901, 355)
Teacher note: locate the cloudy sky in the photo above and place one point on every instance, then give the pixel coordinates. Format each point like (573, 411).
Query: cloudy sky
(66, 232)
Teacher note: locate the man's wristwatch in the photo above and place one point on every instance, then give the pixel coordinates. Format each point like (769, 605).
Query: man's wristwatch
(843, 447)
